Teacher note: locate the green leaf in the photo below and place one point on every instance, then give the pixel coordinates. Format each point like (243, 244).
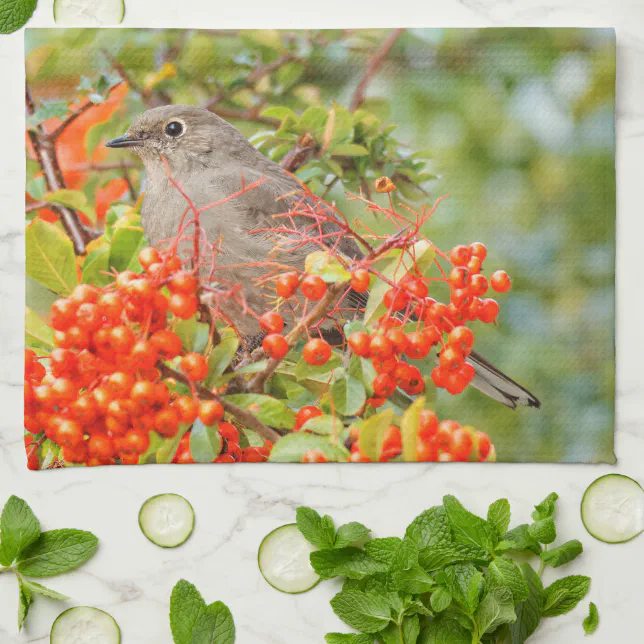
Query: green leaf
(546, 508)
(364, 611)
(339, 126)
(467, 528)
(74, 199)
(437, 557)
(19, 528)
(50, 257)
(53, 110)
(498, 515)
(348, 638)
(591, 622)
(348, 395)
(317, 530)
(350, 562)
(519, 539)
(223, 354)
(96, 267)
(57, 551)
(351, 534)
(410, 629)
(349, 150)
(445, 630)
(327, 266)
(440, 600)
(325, 425)
(127, 241)
(564, 594)
(279, 113)
(529, 611)
(496, 608)
(24, 601)
(414, 580)
(409, 429)
(464, 582)
(504, 572)
(38, 589)
(205, 442)
(304, 370)
(384, 549)
(166, 451)
(291, 448)
(562, 554)
(430, 528)
(214, 625)
(313, 121)
(39, 299)
(373, 432)
(37, 332)
(267, 409)
(543, 531)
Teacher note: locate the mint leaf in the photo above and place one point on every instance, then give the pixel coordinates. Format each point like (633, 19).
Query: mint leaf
(415, 581)
(545, 509)
(504, 572)
(214, 625)
(57, 551)
(445, 630)
(564, 594)
(364, 611)
(350, 534)
(440, 556)
(467, 528)
(496, 608)
(19, 528)
(15, 14)
(350, 562)
(317, 530)
(519, 539)
(465, 583)
(529, 611)
(186, 605)
(348, 638)
(562, 554)
(440, 600)
(591, 622)
(38, 589)
(430, 529)
(498, 515)
(394, 553)
(544, 531)
(24, 601)
(410, 629)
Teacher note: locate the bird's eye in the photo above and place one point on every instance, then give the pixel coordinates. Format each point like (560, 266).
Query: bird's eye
(174, 129)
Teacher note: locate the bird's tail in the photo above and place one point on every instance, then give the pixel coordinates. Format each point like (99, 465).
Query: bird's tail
(495, 384)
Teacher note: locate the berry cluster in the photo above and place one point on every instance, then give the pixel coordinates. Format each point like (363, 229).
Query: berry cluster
(442, 441)
(102, 392)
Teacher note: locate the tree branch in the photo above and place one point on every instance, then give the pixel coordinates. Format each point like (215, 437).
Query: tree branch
(247, 418)
(373, 66)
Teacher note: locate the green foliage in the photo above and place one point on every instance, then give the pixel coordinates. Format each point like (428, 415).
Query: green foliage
(28, 552)
(592, 621)
(15, 14)
(407, 591)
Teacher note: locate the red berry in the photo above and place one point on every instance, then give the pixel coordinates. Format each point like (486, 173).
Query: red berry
(313, 287)
(483, 445)
(360, 280)
(360, 343)
(305, 414)
(120, 384)
(143, 393)
(271, 322)
(166, 422)
(275, 346)
(395, 299)
(84, 293)
(488, 310)
(121, 339)
(427, 425)
(187, 408)
(461, 338)
(427, 451)
(183, 282)
(391, 443)
(287, 284)
(228, 431)
(167, 343)
(415, 286)
(418, 345)
(149, 256)
(381, 347)
(500, 282)
(194, 366)
(461, 444)
(68, 433)
(479, 250)
(63, 362)
(478, 285)
(398, 339)
(135, 441)
(100, 446)
(383, 385)
(316, 352)
(143, 356)
(460, 255)
(183, 305)
(459, 277)
(63, 314)
(450, 358)
(314, 456)
(210, 412)
(386, 365)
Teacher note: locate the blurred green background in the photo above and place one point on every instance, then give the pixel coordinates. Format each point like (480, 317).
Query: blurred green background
(519, 124)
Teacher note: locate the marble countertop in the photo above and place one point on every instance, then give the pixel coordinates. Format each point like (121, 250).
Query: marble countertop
(236, 507)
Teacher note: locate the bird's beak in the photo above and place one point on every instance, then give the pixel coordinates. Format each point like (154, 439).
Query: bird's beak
(124, 141)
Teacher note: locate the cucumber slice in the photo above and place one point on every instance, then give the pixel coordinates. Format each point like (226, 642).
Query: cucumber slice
(283, 560)
(84, 624)
(89, 13)
(612, 509)
(167, 520)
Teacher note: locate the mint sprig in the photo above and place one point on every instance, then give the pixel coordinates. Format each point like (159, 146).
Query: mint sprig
(192, 621)
(15, 14)
(452, 579)
(28, 552)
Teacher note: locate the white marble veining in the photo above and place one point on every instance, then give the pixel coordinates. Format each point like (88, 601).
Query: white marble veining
(236, 506)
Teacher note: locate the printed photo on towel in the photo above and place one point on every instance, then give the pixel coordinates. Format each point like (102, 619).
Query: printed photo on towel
(360, 246)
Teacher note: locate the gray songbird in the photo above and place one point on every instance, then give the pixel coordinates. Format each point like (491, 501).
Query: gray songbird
(210, 159)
